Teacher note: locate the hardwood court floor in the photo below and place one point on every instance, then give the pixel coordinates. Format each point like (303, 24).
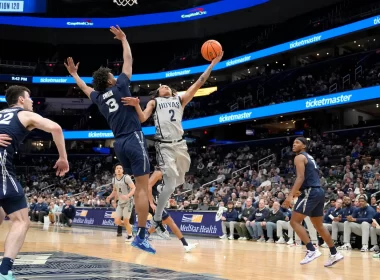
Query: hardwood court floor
(101, 255)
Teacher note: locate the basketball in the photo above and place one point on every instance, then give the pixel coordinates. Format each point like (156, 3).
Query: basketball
(211, 49)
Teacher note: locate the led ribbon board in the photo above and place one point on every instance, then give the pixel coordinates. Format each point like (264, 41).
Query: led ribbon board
(209, 10)
(312, 39)
(319, 102)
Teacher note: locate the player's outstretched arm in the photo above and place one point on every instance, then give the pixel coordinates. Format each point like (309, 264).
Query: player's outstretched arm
(72, 68)
(32, 120)
(135, 102)
(189, 94)
(127, 53)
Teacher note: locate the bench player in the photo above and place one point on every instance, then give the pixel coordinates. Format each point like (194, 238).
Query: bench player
(154, 181)
(124, 189)
(17, 121)
(130, 145)
(171, 149)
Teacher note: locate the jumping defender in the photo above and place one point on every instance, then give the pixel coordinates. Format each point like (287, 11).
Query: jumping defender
(310, 203)
(130, 145)
(154, 179)
(171, 149)
(124, 189)
(17, 121)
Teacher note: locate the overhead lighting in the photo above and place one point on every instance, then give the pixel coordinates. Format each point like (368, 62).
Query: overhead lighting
(354, 42)
(327, 53)
(358, 45)
(281, 116)
(148, 85)
(317, 54)
(257, 67)
(374, 39)
(283, 64)
(267, 64)
(276, 62)
(254, 120)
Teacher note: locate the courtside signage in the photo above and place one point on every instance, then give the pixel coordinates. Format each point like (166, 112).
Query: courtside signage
(254, 113)
(312, 39)
(209, 10)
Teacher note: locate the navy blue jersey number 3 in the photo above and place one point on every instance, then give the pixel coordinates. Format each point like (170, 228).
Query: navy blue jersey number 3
(172, 117)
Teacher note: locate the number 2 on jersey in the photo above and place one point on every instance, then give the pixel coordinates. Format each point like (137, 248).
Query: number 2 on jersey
(112, 104)
(6, 119)
(172, 119)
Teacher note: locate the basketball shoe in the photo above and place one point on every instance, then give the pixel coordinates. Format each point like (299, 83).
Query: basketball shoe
(142, 244)
(9, 276)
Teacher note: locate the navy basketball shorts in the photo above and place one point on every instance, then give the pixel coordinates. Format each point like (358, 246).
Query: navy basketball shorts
(311, 202)
(131, 151)
(12, 197)
(165, 213)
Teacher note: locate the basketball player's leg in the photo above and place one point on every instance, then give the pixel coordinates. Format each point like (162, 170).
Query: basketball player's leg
(119, 213)
(132, 154)
(167, 162)
(127, 212)
(17, 210)
(2, 215)
(183, 162)
(316, 218)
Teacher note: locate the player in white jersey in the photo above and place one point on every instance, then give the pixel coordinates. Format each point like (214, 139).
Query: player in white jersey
(172, 156)
(124, 188)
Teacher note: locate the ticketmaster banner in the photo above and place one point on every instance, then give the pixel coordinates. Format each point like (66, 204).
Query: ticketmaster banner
(198, 222)
(312, 39)
(314, 103)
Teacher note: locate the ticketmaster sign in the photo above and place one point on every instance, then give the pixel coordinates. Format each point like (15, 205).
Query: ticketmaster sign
(254, 113)
(312, 39)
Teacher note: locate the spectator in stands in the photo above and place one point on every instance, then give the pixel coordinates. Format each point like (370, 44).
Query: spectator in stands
(327, 219)
(58, 212)
(229, 219)
(259, 215)
(375, 232)
(241, 226)
(285, 225)
(270, 222)
(68, 213)
(359, 223)
(40, 210)
(204, 206)
(52, 209)
(32, 204)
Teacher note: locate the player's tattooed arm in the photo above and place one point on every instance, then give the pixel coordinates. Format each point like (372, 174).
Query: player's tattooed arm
(190, 93)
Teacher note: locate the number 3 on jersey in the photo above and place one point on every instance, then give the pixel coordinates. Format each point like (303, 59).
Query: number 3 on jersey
(112, 104)
(172, 113)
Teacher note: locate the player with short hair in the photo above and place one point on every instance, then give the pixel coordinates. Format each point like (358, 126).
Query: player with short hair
(171, 149)
(124, 189)
(17, 121)
(311, 198)
(130, 145)
(154, 182)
